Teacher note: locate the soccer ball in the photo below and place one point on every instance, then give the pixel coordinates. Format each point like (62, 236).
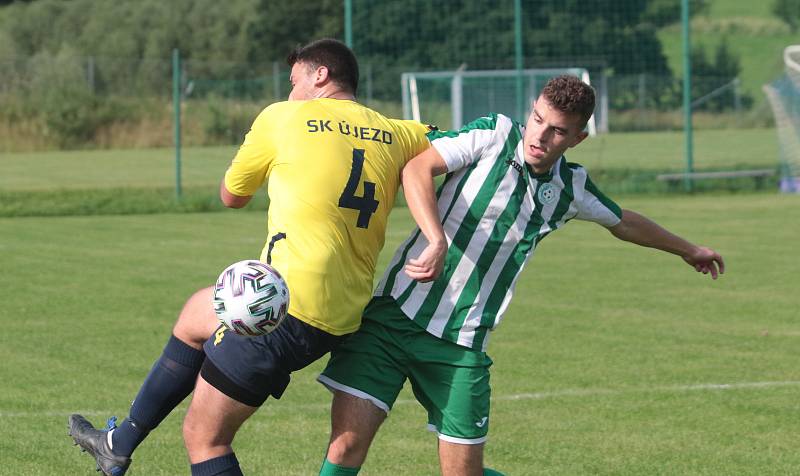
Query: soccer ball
(251, 298)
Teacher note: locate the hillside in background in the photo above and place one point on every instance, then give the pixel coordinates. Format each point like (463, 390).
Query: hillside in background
(752, 32)
(100, 74)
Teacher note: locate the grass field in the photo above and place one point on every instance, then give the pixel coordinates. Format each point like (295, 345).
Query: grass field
(203, 166)
(612, 359)
(94, 182)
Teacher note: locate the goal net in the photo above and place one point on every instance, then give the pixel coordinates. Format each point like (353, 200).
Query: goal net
(784, 97)
(453, 98)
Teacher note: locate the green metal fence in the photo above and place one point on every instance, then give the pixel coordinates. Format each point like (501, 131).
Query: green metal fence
(634, 53)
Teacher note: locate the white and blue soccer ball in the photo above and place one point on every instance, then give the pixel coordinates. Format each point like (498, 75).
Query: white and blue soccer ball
(251, 298)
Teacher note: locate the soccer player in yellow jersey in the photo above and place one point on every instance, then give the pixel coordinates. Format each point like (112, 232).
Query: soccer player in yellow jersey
(333, 168)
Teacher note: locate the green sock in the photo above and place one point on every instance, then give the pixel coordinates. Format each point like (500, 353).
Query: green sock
(491, 472)
(330, 469)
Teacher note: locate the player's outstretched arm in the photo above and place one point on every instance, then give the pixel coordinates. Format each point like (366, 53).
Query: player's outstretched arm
(644, 232)
(417, 178)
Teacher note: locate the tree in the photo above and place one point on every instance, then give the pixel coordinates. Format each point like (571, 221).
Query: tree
(613, 36)
(788, 11)
(711, 75)
(665, 12)
(280, 26)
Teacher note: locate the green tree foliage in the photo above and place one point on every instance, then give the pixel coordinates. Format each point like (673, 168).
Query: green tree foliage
(611, 35)
(3, 3)
(280, 26)
(233, 32)
(60, 94)
(665, 12)
(122, 48)
(619, 35)
(712, 74)
(789, 12)
(616, 37)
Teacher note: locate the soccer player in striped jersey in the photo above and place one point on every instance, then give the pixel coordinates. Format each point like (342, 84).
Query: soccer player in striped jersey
(507, 187)
(333, 168)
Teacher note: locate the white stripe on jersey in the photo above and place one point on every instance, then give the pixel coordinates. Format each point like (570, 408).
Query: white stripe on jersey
(592, 209)
(460, 206)
(476, 245)
(456, 197)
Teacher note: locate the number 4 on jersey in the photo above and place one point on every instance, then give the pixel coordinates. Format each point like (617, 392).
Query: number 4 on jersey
(366, 205)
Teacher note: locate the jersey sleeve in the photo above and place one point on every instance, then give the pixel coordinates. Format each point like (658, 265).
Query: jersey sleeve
(597, 207)
(413, 137)
(249, 168)
(464, 147)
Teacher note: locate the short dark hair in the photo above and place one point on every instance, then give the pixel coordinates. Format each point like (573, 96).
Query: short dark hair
(569, 94)
(334, 55)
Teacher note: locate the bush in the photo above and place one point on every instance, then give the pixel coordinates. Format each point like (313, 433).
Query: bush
(788, 11)
(227, 121)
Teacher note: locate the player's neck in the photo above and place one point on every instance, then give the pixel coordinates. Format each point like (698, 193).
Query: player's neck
(335, 93)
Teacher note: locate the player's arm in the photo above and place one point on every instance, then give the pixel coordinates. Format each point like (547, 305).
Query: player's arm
(417, 177)
(642, 231)
(249, 168)
(230, 200)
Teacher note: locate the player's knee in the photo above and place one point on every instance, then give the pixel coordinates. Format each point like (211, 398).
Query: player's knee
(348, 450)
(191, 432)
(197, 435)
(197, 320)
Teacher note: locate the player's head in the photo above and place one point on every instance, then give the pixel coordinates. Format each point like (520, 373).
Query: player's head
(322, 68)
(556, 123)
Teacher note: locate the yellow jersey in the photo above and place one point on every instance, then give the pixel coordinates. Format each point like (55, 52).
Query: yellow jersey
(332, 169)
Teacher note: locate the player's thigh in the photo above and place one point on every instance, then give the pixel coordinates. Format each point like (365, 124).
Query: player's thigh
(353, 414)
(452, 383)
(250, 369)
(370, 365)
(213, 418)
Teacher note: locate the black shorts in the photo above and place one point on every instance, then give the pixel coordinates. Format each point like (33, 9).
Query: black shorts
(250, 369)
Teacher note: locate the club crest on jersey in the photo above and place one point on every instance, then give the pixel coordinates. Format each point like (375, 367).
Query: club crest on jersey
(547, 193)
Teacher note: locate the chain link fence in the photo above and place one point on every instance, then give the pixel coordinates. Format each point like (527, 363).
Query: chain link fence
(629, 50)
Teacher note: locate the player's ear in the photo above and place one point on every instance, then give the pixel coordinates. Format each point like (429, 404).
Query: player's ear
(321, 75)
(579, 138)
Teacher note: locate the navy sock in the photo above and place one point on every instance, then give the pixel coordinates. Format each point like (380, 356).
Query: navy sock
(226, 465)
(170, 380)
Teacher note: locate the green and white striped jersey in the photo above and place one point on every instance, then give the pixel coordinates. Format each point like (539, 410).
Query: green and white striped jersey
(494, 211)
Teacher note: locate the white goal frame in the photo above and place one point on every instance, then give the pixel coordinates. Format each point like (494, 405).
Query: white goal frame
(411, 107)
(787, 119)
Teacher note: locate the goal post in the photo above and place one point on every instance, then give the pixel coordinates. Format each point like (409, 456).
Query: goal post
(451, 98)
(784, 98)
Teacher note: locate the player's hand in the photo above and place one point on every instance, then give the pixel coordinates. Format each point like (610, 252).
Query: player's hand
(705, 260)
(428, 266)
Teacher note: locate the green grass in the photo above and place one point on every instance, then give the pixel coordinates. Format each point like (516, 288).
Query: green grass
(600, 363)
(91, 169)
(740, 8)
(117, 201)
(662, 151)
(153, 168)
(143, 181)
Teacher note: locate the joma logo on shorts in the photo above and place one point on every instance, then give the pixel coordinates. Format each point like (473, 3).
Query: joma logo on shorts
(483, 421)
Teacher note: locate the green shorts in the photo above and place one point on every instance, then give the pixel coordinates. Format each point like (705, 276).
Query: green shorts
(450, 381)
